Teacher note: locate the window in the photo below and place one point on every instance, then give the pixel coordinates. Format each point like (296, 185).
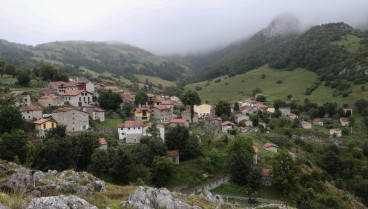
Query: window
(27, 111)
(80, 99)
(44, 126)
(139, 128)
(128, 128)
(122, 133)
(84, 99)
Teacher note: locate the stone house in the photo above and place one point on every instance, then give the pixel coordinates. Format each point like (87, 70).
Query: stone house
(306, 125)
(285, 111)
(255, 157)
(186, 115)
(240, 117)
(318, 122)
(267, 176)
(48, 92)
(336, 131)
(31, 112)
(158, 100)
(292, 116)
(62, 87)
(85, 86)
(161, 113)
(173, 155)
(248, 123)
(169, 104)
(243, 129)
(46, 101)
(103, 143)
(23, 98)
(161, 128)
(175, 122)
(270, 147)
(73, 119)
(143, 114)
(344, 121)
(78, 98)
(130, 132)
(95, 113)
(270, 110)
(43, 125)
(227, 126)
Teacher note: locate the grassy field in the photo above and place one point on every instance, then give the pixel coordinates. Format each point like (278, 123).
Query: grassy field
(155, 80)
(294, 82)
(351, 42)
(110, 123)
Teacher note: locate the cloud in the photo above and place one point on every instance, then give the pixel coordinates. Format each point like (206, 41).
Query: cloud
(164, 26)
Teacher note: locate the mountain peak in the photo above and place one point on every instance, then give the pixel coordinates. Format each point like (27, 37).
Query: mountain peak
(282, 25)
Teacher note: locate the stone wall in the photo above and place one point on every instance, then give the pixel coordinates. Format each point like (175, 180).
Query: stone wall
(208, 186)
(317, 139)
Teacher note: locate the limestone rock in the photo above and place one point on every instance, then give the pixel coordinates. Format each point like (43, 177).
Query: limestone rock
(209, 197)
(148, 197)
(20, 180)
(3, 207)
(39, 176)
(59, 202)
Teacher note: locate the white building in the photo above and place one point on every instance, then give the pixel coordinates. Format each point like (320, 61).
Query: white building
(161, 128)
(336, 131)
(344, 121)
(78, 98)
(203, 109)
(306, 125)
(130, 132)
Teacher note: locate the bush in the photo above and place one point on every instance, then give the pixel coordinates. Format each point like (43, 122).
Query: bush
(279, 82)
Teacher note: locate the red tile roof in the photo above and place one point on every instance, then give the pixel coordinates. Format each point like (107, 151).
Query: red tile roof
(151, 95)
(226, 123)
(65, 109)
(30, 108)
(112, 88)
(318, 120)
(305, 122)
(40, 121)
(17, 92)
(337, 129)
(98, 109)
(161, 107)
(172, 153)
(73, 93)
(344, 119)
(167, 102)
(255, 149)
(269, 145)
(238, 115)
(158, 99)
(102, 141)
(48, 91)
(266, 172)
(292, 154)
(130, 123)
(178, 121)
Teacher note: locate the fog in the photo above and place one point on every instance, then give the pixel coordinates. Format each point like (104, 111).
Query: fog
(164, 26)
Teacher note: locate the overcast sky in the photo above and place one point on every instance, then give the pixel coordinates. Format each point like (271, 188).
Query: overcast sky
(163, 26)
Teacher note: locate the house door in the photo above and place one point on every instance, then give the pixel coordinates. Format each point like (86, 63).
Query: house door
(79, 104)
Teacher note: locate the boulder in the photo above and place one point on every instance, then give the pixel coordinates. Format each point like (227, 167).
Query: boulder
(148, 197)
(209, 197)
(21, 180)
(59, 202)
(39, 176)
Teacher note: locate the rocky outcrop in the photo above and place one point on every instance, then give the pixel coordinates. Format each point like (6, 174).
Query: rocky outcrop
(39, 183)
(59, 202)
(148, 197)
(209, 197)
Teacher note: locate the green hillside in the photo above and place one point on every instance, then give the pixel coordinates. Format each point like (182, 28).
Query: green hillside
(72, 56)
(294, 82)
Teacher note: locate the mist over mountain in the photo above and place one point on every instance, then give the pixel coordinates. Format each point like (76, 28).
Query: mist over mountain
(282, 25)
